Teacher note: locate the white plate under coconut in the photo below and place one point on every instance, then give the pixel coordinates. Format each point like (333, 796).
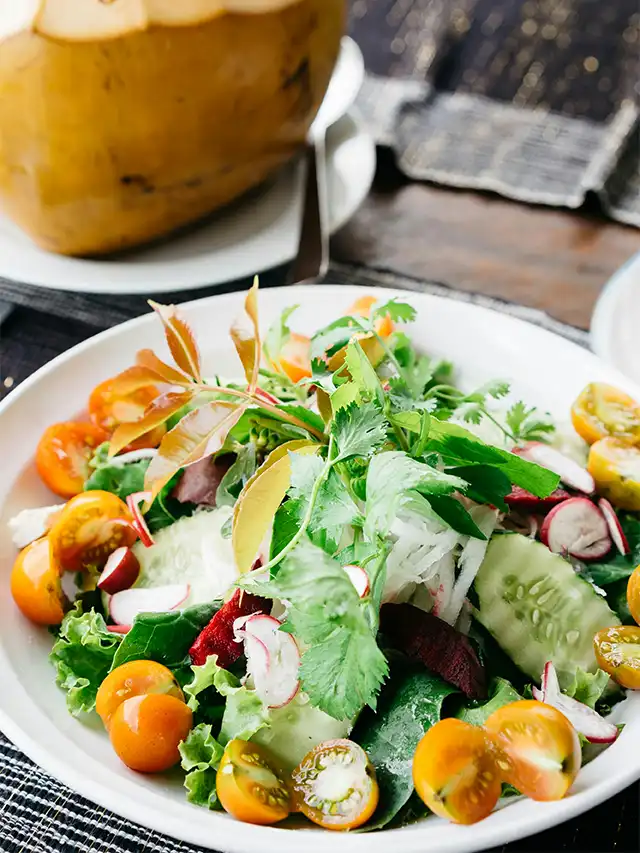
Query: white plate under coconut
(257, 233)
(546, 370)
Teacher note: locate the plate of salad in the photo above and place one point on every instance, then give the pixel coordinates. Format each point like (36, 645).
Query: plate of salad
(315, 560)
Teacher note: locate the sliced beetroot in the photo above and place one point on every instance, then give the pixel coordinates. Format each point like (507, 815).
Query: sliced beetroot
(615, 528)
(217, 638)
(577, 528)
(435, 644)
(524, 500)
(199, 482)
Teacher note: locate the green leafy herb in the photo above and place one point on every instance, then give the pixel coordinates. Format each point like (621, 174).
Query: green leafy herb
(453, 513)
(486, 484)
(83, 655)
(399, 312)
(528, 424)
(165, 510)
(588, 687)
(620, 566)
(359, 430)
(164, 637)
(109, 475)
(236, 477)
(476, 712)
(201, 755)
(409, 705)
(342, 667)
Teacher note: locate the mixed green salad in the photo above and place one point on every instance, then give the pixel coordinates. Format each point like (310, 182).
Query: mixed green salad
(340, 585)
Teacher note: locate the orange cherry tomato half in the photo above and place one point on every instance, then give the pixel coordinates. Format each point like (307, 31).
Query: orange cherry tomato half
(135, 678)
(90, 528)
(633, 594)
(603, 410)
(63, 454)
(618, 653)
(455, 773)
(537, 749)
(362, 306)
(146, 731)
(108, 410)
(335, 785)
(294, 359)
(615, 466)
(251, 786)
(35, 584)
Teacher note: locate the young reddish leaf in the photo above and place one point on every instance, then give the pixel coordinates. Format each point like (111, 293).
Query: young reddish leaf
(199, 434)
(148, 359)
(182, 344)
(157, 413)
(247, 341)
(132, 379)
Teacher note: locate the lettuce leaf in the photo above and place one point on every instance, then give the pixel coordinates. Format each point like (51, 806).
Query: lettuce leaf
(201, 755)
(83, 655)
(588, 687)
(477, 712)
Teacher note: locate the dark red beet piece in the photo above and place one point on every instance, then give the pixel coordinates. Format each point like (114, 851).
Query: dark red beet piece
(199, 482)
(522, 499)
(216, 638)
(435, 644)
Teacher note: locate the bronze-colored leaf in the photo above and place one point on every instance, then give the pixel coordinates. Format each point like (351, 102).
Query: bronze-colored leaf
(134, 378)
(180, 339)
(147, 358)
(247, 340)
(199, 434)
(324, 405)
(158, 412)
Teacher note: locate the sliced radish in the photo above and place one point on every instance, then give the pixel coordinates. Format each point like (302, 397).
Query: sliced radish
(120, 572)
(126, 605)
(584, 719)
(522, 499)
(359, 578)
(572, 474)
(615, 529)
(140, 525)
(577, 527)
(119, 629)
(273, 659)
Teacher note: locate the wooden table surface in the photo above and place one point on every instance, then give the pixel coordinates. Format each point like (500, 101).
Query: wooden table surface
(556, 260)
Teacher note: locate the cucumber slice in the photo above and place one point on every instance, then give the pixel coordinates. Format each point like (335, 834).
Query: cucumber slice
(538, 608)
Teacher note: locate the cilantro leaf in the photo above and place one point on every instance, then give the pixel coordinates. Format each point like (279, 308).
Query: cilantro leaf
(333, 337)
(390, 478)
(82, 656)
(527, 424)
(358, 430)
(342, 667)
(399, 312)
(344, 396)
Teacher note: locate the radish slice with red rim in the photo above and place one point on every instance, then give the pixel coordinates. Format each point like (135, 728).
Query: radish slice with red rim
(584, 719)
(567, 469)
(140, 525)
(120, 572)
(615, 528)
(359, 578)
(119, 629)
(273, 659)
(126, 605)
(576, 527)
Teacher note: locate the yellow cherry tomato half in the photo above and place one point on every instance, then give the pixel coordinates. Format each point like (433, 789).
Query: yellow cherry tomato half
(35, 584)
(251, 786)
(603, 410)
(633, 594)
(614, 464)
(135, 678)
(294, 359)
(90, 528)
(618, 653)
(335, 785)
(362, 306)
(108, 410)
(537, 749)
(63, 455)
(455, 773)
(146, 730)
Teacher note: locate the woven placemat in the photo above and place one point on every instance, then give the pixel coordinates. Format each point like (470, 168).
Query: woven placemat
(40, 815)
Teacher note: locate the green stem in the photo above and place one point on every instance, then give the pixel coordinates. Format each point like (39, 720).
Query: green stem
(499, 425)
(315, 491)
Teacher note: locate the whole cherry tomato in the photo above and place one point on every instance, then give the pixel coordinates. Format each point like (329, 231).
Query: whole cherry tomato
(537, 749)
(35, 584)
(90, 528)
(250, 785)
(455, 773)
(63, 455)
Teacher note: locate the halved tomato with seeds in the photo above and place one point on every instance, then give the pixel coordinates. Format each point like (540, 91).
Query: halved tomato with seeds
(109, 409)
(250, 785)
(63, 455)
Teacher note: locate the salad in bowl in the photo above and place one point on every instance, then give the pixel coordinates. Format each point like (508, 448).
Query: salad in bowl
(337, 585)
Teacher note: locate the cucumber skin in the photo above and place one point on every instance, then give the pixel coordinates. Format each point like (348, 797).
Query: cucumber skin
(557, 621)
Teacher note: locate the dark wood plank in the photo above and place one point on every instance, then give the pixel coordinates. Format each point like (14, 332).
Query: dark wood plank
(552, 259)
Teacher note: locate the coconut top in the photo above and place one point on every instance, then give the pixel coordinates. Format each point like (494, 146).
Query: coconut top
(85, 20)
